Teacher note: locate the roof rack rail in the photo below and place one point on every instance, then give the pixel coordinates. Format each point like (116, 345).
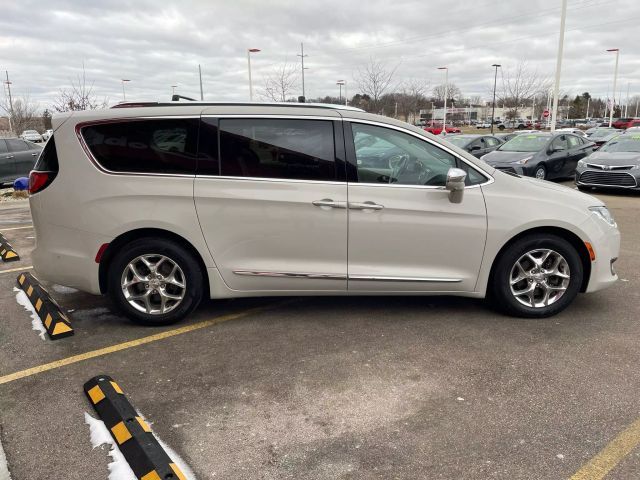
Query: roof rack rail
(235, 104)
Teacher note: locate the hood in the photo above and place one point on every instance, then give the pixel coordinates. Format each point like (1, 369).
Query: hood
(498, 156)
(614, 158)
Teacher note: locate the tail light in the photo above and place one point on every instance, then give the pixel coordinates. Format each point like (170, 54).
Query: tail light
(38, 181)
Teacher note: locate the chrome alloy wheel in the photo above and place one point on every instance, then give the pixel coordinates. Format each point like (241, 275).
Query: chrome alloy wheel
(539, 278)
(153, 284)
(540, 173)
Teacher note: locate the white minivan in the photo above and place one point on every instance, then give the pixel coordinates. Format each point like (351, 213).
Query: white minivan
(158, 204)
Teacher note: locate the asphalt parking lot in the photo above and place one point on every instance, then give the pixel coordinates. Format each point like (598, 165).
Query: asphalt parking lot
(350, 388)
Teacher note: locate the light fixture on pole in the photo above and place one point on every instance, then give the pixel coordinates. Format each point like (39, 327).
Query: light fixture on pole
(173, 90)
(615, 79)
(124, 95)
(249, 52)
(493, 108)
(446, 92)
(340, 83)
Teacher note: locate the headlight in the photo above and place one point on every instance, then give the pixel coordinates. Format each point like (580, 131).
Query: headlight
(524, 160)
(581, 164)
(604, 213)
(635, 167)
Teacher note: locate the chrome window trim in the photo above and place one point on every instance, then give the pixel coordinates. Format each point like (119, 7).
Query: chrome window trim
(489, 177)
(385, 278)
(277, 116)
(267, 179)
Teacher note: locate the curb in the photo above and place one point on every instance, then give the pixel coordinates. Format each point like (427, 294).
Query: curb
(7, 253)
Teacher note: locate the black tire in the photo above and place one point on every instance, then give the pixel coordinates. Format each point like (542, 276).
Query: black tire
(540, 168)
(192, 273)
(499, 289)
(501, 127)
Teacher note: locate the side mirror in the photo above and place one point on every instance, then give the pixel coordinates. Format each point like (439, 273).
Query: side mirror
(556, 149)
(455, 184)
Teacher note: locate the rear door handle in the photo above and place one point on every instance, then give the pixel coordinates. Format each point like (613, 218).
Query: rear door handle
(34, 154)
(328, 203)
(365, 206)
(10, 156)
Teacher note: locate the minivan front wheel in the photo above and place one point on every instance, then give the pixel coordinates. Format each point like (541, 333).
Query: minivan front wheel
(155, 281)
(537, 276)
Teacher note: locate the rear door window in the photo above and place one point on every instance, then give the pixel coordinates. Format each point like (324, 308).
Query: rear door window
(573, 141)
(3, 146)
(145, 146)
(294, 149)
(16, 145)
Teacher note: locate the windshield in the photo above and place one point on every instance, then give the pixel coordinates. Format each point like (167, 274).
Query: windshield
(629, 143)
(601, 133)
(459, 141)
(525, 143)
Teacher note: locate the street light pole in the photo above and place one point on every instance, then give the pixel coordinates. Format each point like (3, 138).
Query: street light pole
(173, 90)
(615, 79)
(8, 84)
(124, 95)
(446, 92)
(340, 83)
(200, 75)
(493, 107)
(249, 52)
(302, 55)
(556, 85)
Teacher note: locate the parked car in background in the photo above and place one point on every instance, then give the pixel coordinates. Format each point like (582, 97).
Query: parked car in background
(436, 129)
(265, 200)
(632, 130)
(615, 165)
(476, 145)
(624, 123)
(31, 136)
(575, 131)
(483, 124)
(47, 134)
(518, 124)
(602, 135)
(542, 155)
(592, 130)
(17, 158)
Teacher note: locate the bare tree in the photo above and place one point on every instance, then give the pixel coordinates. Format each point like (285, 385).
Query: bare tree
(22, 114)
(520, 86)
(374, 79)
(411, 98)
(79, 97)
(281, 82)
(452, 91)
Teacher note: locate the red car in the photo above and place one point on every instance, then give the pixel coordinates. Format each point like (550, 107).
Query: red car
(436, 129)
(624, 123)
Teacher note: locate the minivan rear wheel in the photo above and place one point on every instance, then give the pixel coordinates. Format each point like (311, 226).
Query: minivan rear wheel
(536, 276)
(155, 281)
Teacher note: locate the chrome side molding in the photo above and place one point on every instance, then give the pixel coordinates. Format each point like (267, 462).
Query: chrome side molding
(325, 276)
(331, 276)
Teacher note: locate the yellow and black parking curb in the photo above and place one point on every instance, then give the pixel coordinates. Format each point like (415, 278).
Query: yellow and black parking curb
(54, 319)
(7, 253)
(134, 438)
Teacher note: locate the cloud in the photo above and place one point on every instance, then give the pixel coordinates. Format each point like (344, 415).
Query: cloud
(159, 44)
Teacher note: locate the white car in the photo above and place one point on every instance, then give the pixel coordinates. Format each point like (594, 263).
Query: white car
(575, 131)
(31, 136)
(483, 124)
(47, 134)
(300, 199)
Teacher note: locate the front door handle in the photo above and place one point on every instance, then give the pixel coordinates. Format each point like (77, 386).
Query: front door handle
(365, 206)
(10, 156)
(328, 203)
(34, 154)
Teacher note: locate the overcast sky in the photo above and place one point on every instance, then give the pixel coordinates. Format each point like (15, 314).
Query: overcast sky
(157, 44)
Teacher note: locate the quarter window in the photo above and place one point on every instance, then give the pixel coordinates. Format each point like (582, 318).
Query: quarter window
(145, 146)
(278, 148)
(16, 145)
(388, 156)
(573, 141)
(3, 146)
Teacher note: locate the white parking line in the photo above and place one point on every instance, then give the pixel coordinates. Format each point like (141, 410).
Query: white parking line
(4, 468)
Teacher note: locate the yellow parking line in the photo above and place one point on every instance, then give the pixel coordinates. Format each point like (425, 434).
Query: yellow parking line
(600, 465)
(15, 228)
(16, 269)
(132, 343)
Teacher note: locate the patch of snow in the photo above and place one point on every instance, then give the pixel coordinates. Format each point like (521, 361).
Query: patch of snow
(560, 456)
(119, 469)
(36, 323)
(460, 399)
(63, 289)
(4, 468)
